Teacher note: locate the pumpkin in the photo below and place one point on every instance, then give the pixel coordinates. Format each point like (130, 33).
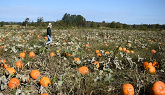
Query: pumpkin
(52, 54)
(5, 65)
(158, 88)
(19, 64)
(31, 54)
(11, 70)
(155, 64)
(83, 70)
(3, 61)
(87, 45)
(96, 62)
(127, 51)
(107, 52)
(45, 81)
(97, 51)
(98, 54)
(120, 48)
(128, 89)
(151, 69)
(153, 51)
(124, 49)
(22, 55)
(145, 65)
(35, 74)
(13, 83)
(44, 94)
(132, 51)
(76, 59)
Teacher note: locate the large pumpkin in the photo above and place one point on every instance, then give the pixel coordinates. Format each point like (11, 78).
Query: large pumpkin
(158, 88)
(128, 89)
(13, 83)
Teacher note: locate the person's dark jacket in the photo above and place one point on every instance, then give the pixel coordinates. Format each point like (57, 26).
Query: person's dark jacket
(49, 31)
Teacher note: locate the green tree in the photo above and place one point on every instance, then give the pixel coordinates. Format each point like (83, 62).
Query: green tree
(2, 23)
(40, 20)
(93, 24)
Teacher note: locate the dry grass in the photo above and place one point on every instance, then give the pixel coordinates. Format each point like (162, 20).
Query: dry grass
(63, 71)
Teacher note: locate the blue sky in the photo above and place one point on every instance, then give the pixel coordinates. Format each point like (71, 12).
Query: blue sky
(124, 11)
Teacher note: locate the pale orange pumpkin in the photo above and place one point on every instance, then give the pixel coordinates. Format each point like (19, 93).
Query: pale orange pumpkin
(128, 89)
(45, 81)
(35, 74)
(120, 49)
(13, 83)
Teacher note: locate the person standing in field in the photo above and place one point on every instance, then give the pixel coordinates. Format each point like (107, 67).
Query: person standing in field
(49, 34)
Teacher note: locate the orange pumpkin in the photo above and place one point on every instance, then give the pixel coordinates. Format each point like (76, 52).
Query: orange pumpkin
(52, 54)
(124, 49)
(3, 61)
(97, 51)
(87, 45)
(98, 54)
(13, 83)
(145, 65)
(151, 69)
(127, 51)
(107, 52)
(31, 54)
(5, 65)
(96, 62)
(22, 55)
(128, 89)
(44, 94)
(132, 51)
(35, 74)
(19, 64)
(76, 59)
(11, 70)
(83, 70)
(45, 81)
(155, 64)
(120, 48)
(153, 51)
(158, 88)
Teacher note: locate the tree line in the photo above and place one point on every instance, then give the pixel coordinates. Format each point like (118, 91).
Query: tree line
(69, 20)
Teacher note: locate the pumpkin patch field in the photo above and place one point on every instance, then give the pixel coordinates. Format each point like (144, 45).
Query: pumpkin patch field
(82, 62)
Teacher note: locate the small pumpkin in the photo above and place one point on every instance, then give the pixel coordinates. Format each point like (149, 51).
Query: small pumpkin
(5, 65)
(151, 69)
(52, 54)
(22, 55)
(44, 94)
(19, 64)
(11, 70)
(13, 83)
(45, 81)
(97, 51)
(132, 51)
(158, 88)
(155, 64)
(83, 70)
(107, 52)
(31, 54)
(153, 51)
(124, 49)
(3, 61)
(120, 49)
(127, 51)
(98, 54)
(87, 45)
(35, 74)
(76, 59)
(145, 65)
(128, 89)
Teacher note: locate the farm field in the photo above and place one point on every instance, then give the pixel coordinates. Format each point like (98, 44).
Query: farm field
(111, 57)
